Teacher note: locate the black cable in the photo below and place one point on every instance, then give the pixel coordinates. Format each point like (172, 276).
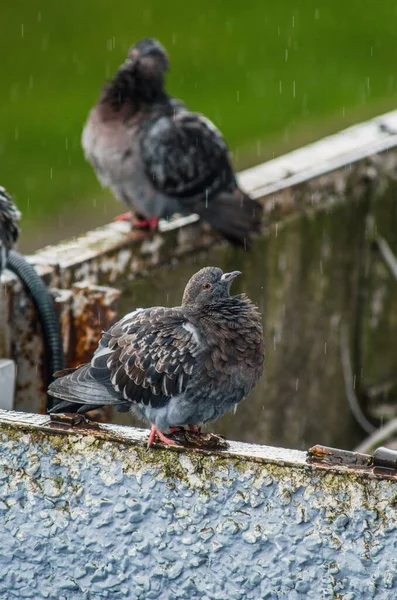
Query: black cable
(44, 304)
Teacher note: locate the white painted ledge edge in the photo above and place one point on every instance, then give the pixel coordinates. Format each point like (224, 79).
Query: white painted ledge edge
(328, 154)
(135, 436)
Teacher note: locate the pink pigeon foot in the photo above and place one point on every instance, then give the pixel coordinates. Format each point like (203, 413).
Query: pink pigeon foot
(139, 222)
(124, 217)
(162, 437)
(151, 224)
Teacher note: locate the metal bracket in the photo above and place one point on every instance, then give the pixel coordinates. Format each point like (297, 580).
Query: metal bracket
(383, 461)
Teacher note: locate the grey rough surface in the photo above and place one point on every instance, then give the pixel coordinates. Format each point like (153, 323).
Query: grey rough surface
(84, 518)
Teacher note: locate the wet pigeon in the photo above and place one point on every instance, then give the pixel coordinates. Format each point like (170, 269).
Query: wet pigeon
(9, 230)
(173, 367)
(158, 157)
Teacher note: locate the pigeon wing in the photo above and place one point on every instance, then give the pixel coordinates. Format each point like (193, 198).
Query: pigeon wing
(148, 356)
(186, 157)
(152, 355)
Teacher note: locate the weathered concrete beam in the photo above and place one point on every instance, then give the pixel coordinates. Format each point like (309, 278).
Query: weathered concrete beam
(95, 309)
(107, 253)
(94, 514)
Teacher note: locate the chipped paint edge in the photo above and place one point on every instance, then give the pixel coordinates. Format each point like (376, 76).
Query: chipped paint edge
(132, 436)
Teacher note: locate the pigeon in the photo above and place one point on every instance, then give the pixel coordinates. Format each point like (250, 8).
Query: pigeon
(9, 229)
(175, 368)
(158, 157)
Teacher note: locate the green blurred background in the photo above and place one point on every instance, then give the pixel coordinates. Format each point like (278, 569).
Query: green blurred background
(271, 75)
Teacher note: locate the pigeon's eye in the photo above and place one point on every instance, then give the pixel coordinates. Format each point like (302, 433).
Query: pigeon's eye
(207, 286)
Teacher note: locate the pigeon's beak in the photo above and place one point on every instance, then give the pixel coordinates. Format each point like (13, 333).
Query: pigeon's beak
(133, 56)
(228, 277)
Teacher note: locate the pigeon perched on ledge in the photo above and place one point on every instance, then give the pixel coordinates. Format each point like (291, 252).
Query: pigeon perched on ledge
(9, 229)
(173, 367)
(158, 157)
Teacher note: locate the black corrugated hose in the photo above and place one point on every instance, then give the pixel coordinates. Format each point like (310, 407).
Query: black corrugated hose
(45, 307)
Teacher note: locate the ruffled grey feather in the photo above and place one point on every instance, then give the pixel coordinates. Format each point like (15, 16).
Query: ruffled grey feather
(173, 366)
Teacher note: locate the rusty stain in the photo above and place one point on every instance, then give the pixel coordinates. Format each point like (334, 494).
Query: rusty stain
(71, 420)
(63, 300)
(334, 456)
(379, 464)
(382, 463)
(196, 440)
(94, 310)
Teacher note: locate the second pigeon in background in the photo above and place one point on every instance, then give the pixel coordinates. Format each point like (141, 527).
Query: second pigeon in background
(158, 157)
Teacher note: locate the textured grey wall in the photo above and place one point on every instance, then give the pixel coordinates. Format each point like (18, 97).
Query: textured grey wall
(84, 518)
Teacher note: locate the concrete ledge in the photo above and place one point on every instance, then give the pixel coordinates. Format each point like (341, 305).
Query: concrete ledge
(96, 515)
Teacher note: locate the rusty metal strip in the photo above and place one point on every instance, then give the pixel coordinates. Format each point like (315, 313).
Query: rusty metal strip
(382, 462)
(335, 457)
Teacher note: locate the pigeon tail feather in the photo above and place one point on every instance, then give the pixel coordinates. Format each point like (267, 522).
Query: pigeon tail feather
(235, 215)
(81, 387)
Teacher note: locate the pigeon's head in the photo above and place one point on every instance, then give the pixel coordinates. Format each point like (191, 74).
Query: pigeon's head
(207, 286)
(149, 56)
(139, 79)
